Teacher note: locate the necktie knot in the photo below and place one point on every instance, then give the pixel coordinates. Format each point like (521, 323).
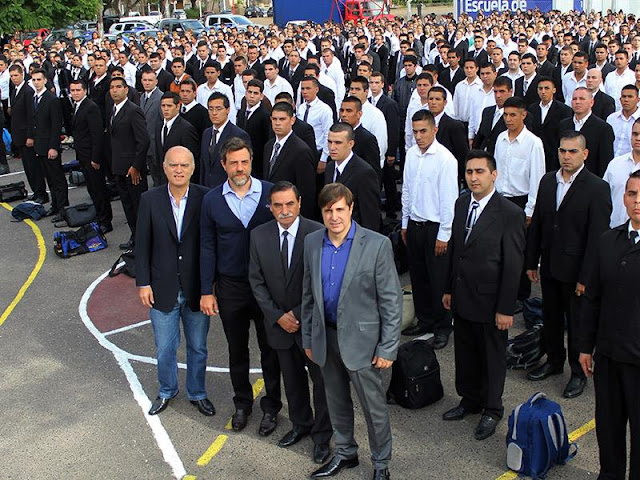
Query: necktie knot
(633, 235)
(184, 109)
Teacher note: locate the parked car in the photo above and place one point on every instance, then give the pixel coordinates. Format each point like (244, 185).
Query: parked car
(60, 34)
(27, 37)
(270, 12)
(180, 14)
(176, 25)
(255, 11)
(129, 27)
(224, 20)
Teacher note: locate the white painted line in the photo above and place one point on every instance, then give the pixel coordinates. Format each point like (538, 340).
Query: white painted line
(12, 173)
(128, 327)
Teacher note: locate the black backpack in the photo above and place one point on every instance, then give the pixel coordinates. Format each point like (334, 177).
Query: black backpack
(526, 349)
(415, 377)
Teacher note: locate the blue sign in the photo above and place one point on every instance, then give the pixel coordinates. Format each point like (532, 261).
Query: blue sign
(472, 7)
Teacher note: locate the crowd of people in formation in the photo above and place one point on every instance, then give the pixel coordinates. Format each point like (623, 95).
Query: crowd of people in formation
(506, 147)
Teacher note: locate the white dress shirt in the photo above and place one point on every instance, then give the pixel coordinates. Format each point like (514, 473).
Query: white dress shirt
(185, 108)
(204, 92)
(513, 75)
(616, 176)
(564, 185)
(178, 209)
(273, 89)
(570, 83)
(614, 82)
(462, 98)
(320, 117)
(479, 100)
(449, 107)
(341, 166)
(580, 123)
(521, 166)
(130, 74)
(544, 110)
(292, 231)
(631, 229)
(622, 130)
(430, 188)
(4, 84)
(373, 120)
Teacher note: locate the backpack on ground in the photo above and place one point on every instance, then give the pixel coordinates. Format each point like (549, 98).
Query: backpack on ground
(532, 312)
(126, 263)
(12, 192)
(537, 438)
(526, 349)
(86, 239)
(415, 377)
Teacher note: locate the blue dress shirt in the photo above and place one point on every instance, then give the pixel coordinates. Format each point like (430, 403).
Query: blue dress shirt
(243, 208)
(334, 264)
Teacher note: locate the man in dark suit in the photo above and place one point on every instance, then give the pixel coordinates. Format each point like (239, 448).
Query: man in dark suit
(168, 278)
(529, 80)
(487, 243)
(254, 119)
(292, 160)
(226, 226)
(21, 109)
(347, 168)
(545, 67)
(603, 104)
(301, 128)
(609, 325)
(598, 133)
(173, 131)
(150, 105)
(98, 87)
(275, 274)
(88, 141)
(47, 125)
(212, 173)
(572, 210)
(199, 61)
(366, 144)
(546, 126)
(127, 132)
(453, 74)
(164, 78)
(195, 114)
(602, 63)
(295, 72)
(563, 67)
(489, 130)
(479, 53)
(351, 320)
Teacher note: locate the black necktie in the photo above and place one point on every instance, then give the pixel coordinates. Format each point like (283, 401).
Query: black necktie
(274, 157)
(214, 137)
(165, 132)
(113, 114)
(337, 176)
(471, 220)
(184, 109)
(633, 234)
(306, 112)
(36, 101)
(284, 252)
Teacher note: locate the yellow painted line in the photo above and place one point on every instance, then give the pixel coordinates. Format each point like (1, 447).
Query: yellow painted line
(257, 388)
(212, 451)
(573, 436)
(189, 477)
(36, 269)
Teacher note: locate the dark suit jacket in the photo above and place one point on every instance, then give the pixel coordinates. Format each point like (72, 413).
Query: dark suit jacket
(603, 105)
(606, 69)
(450, 83)
(599, 135)
(164, 80)
(545, 69)
(391, 111)
(98, 93)
(47, 123)
(531, 96)
(211, 172)
(610, 317)
(257, 66)
(295, 163)
(486, 136)
(88, 133)
(305, 131)
(257, 128)
(163, 261)
(366, 147)
(481, 59)
(549, 131)
(297, 75)
(129, 139)
(557, 79)
(326, 95)
(275, 291)
(484, 272)
(199, 118)
(565, 239)
(363, 182)
(383, 53)
(451, 134)
(181, 133)
(21, 114)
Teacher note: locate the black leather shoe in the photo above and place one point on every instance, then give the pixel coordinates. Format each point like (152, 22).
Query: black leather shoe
(457, 413)
(205, 407)
(415, 330)
(335, 466)
(106, 228)
(127, 245)
(440, 341)
(239, 420)
(4, 169)
(543, 371)
(321, 452)
(382, 474)
(575, 387)
(486, 427)
(291, 438)
(268, 424)
(57, 218)
(159, 405)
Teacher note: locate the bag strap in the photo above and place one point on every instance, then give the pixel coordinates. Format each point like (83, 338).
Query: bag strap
(552, 448)
(536, 397)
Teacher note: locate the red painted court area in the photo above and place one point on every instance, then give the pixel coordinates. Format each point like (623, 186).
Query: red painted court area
(115, 304)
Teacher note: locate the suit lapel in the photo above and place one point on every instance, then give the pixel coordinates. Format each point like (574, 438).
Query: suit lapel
(298, 247)
(283, 151)
(348, 170)
(167, 212)
(355, 254)
(316, 260)
(486, 219)
(189, 213)
(120, 113)
(572, 189)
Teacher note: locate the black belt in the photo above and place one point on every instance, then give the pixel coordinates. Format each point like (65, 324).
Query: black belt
(423, 224)
(330, 325)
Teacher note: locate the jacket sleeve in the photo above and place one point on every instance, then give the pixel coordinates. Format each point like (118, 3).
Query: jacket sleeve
(513, 241)
(389, 296)
(143, 241)
(600, 207)
(96, 131)
(534, 234)
(306, 310)
(259, 287)
(590, 311)
(369, 199)
(56, 124)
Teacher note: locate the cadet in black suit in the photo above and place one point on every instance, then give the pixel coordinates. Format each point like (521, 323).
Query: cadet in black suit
(196, 115)
(366, 145)
(47, 125)
(487, 134)
(98, 87)
(88, 141)
(173, 131)
(21, 101)
(445, 79)
(164, 78)
(572, 210)
(254, 119)
(603, 105)
(548, 130)
(301, 128)
(276, 282)
(293, 161)
(347, 168)
(294, 74)
(531, 95)
(610, 326)
(127, 132)
(487, 243)
(598, 133)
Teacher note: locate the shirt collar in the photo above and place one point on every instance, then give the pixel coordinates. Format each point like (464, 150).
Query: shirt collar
(292, 230)
(148, 94)
(190, 106)
(173, 199)
(548, 105)
(350, 235)
(631, 229)
(560, 178)
(438, 117)
(483, 202)
(343, 165)
(583, 121)
(169, 123)
(284, 139)
(224, 125)
(256, 187)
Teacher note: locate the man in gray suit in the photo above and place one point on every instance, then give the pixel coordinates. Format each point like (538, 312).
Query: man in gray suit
(150, 104)
(351, 317)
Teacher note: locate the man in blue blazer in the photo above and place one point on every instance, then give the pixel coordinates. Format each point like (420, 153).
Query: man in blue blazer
(168, 277)
(212, 173)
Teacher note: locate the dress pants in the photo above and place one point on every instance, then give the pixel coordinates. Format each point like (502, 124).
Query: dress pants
(560, 300)
(428, 276)
(524, 290)
(390, 188)
(34, 171)
(617, 388)
(97, 188)
(58, 187)
(166, 331)
(130, 197)
(237, 308)
(156, 171)
(296, 384)
(481, 365)
(367, 383)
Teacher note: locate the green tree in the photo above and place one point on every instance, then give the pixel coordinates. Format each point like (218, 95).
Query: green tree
(31, 14)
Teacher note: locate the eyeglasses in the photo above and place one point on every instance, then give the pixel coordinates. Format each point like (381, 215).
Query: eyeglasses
(216, 109)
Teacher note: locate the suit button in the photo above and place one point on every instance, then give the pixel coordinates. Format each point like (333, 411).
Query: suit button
(180, 257)
(623, 263)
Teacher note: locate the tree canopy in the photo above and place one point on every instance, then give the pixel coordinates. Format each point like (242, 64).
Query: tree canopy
(32, 14)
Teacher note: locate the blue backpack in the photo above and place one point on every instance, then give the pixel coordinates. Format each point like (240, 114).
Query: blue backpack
(86, 239)
(537, 438)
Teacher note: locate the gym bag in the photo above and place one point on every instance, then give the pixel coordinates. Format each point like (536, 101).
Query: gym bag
(526, 349)
(12, 192)
(86, 239)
